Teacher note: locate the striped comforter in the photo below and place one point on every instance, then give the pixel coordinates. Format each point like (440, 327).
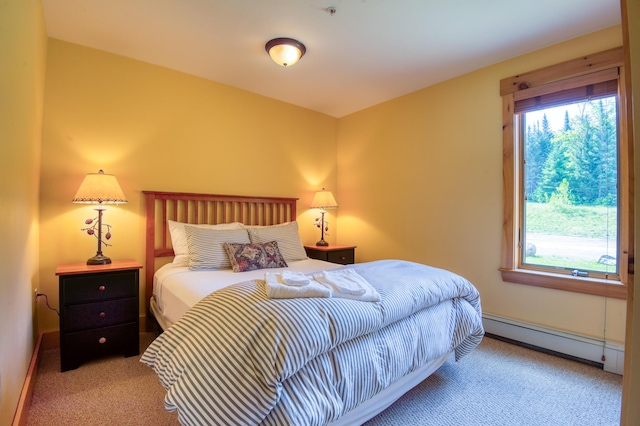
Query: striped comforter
(239, 358)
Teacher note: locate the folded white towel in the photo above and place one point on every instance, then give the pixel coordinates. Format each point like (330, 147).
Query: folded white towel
(348, 284)
(294, 278)
(277, 290)
(345, 281)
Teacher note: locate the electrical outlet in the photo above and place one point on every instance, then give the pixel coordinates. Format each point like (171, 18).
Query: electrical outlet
(36, 294)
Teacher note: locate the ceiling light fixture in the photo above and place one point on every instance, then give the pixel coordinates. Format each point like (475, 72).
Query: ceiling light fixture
(285, 51)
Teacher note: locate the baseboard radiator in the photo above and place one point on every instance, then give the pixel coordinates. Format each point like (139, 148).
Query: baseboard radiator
(556, 341)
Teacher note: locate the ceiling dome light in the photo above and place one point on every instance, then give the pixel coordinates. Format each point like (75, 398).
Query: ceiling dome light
(285, 51)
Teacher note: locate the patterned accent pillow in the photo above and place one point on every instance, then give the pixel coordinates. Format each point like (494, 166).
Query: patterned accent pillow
(252, 256)
(287, 236)
(205, 246)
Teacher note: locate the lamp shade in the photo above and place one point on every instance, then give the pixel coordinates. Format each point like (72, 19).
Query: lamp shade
(99, 188)
(324, 200)
(285, 51)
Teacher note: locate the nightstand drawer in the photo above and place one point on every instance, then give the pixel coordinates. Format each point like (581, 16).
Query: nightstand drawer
(86, 316)
(98, 287)
(345, 257)
(85, 345)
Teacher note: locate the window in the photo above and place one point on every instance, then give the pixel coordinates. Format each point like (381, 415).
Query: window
(566, 177)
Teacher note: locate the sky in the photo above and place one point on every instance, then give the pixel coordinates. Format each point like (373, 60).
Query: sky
(556, 115)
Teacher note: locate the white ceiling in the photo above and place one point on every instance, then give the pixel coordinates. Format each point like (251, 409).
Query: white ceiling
(368, 52)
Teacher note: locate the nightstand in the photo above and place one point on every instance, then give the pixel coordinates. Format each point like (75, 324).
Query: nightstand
(98, 311)
(334, 253)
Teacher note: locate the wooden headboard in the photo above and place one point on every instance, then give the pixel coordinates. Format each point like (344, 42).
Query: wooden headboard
(203, 209)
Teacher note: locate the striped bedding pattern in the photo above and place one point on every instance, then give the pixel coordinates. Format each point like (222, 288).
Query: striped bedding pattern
(206, 249)
(239, 358)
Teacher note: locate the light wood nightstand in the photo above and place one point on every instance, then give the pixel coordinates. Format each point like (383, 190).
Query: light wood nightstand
(334, 253)
(98, 311)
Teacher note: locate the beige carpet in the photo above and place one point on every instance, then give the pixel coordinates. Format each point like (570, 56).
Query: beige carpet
(498, 384)
(109, 391)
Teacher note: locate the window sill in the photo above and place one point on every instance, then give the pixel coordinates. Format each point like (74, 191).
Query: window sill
(592, 286)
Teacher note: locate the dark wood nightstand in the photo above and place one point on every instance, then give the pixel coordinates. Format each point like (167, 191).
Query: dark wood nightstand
(334, 253)
(98, 311)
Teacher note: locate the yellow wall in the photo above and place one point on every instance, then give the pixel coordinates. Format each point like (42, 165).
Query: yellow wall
(157, 129)
(420, 178)
(23, 44)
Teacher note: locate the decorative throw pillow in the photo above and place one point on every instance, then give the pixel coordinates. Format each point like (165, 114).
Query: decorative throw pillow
(179, 238)
(252, 256)
(285, 234)
(205, 246)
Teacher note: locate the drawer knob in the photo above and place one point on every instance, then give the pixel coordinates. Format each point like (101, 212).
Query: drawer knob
(102, 288)
(102, 340)
(343, 257)
(102, 314)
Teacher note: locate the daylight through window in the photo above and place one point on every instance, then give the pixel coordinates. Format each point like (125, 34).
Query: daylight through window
(570, 191)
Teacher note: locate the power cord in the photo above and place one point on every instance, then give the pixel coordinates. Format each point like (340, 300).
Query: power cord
(46, 298)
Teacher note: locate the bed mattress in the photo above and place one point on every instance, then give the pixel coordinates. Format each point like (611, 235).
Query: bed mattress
(177, 288)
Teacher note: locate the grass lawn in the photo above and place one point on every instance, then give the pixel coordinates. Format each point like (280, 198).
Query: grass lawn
(574, 221)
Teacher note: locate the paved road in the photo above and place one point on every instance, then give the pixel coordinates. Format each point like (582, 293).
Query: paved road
(579, 247)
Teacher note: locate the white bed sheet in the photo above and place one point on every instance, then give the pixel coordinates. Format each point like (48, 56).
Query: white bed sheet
(177, 288)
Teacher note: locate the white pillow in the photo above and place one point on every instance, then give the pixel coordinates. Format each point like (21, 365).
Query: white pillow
(206, 249)
(285, 234)
(179, 239)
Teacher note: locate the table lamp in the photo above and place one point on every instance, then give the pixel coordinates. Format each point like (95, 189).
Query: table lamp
(99, 188)
(323, 200)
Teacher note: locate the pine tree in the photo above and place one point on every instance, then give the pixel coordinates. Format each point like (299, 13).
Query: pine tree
(537, 149)
(554, 170)
(567, 123)
(605, 133)
(584, 153)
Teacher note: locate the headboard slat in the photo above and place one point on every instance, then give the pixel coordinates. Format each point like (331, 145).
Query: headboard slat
(203, 209)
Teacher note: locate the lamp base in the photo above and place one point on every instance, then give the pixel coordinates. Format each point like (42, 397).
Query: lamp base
(98, 259)
(322, 243)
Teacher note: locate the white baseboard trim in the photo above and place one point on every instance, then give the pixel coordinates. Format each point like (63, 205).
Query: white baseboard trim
(571, 344)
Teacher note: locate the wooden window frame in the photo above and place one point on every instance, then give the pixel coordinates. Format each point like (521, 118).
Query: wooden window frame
(542, 82)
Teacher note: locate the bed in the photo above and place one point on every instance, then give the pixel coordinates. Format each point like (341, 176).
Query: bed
(234, 352)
